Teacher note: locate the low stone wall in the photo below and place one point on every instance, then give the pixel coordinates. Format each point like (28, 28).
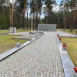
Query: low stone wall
(47, 27)
(68, 65)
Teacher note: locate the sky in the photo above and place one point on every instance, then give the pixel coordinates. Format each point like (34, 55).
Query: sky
(55, 7)
(58, 1)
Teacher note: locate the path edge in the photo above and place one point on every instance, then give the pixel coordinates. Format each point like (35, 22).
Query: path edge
(15, 49)
(67, 63)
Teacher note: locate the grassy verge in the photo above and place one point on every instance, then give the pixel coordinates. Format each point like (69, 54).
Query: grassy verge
(68, 31)
(6, 42)
(23, 30)
(18, 30)
(4, 31)
(71, 48)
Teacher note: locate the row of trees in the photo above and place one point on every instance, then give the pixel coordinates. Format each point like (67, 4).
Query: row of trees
(69, 14)
(13, 12)
(16, 14)
(66, 17)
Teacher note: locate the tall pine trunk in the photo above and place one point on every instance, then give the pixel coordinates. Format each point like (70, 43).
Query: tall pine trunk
(33, 20)
(48, 17)
(27, 18)
(36, 13)
(24, 15)
(10, 14)
(0, 11)
(16, 11)
(12, 11)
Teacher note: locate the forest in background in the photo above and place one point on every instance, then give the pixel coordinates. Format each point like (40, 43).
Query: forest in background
(15, 13)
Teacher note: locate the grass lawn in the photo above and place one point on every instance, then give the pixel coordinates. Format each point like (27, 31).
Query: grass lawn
(23, 30)
(18, 30)
(71, 48)
(4, 31)
(6, 42)
(68, 31)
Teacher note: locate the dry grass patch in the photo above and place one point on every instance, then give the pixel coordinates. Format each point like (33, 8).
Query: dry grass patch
(4, 31)
(23, 30)
(6, 42)
(18, 30)
(68, 31)
(71, 48)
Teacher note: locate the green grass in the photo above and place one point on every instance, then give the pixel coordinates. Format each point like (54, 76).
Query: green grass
(18, 30)
(6, 42)
(71, 48)
(23, 30)
(68, 31)
(4, 31)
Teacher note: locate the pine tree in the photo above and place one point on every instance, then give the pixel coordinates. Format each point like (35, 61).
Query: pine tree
(49, 6)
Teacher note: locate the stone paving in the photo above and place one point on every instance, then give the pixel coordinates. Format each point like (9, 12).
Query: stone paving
(25, 35)
(39, 59)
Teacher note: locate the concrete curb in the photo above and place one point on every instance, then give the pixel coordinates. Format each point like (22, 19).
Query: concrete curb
(73, 35)
(3, 33)
(11, 51)
(68, 65)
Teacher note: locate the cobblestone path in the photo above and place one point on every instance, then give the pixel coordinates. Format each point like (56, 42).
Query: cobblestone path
(39, 59)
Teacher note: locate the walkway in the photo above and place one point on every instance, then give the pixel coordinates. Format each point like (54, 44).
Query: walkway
(39, 59)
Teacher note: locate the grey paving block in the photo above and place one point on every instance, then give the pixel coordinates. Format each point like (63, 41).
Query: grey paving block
(38, 59)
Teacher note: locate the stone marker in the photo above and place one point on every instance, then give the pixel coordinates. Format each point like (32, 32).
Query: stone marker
(18, 44)
(14, 29)
(30, 38)
(64, 46)
(11, 29)
(36, 36)
(60, 39)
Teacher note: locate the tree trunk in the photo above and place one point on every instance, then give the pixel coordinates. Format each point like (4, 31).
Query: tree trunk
(0, 6)
(64, 23)
(0, 11)
(15, 10)
(39, 19)
(45, 20)
(12, 11)
(48, 17)
(24, 14)
(30, 22)
(33, 20)
(7, 12)
(69, 23)
(27, 18)
(36, 13)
